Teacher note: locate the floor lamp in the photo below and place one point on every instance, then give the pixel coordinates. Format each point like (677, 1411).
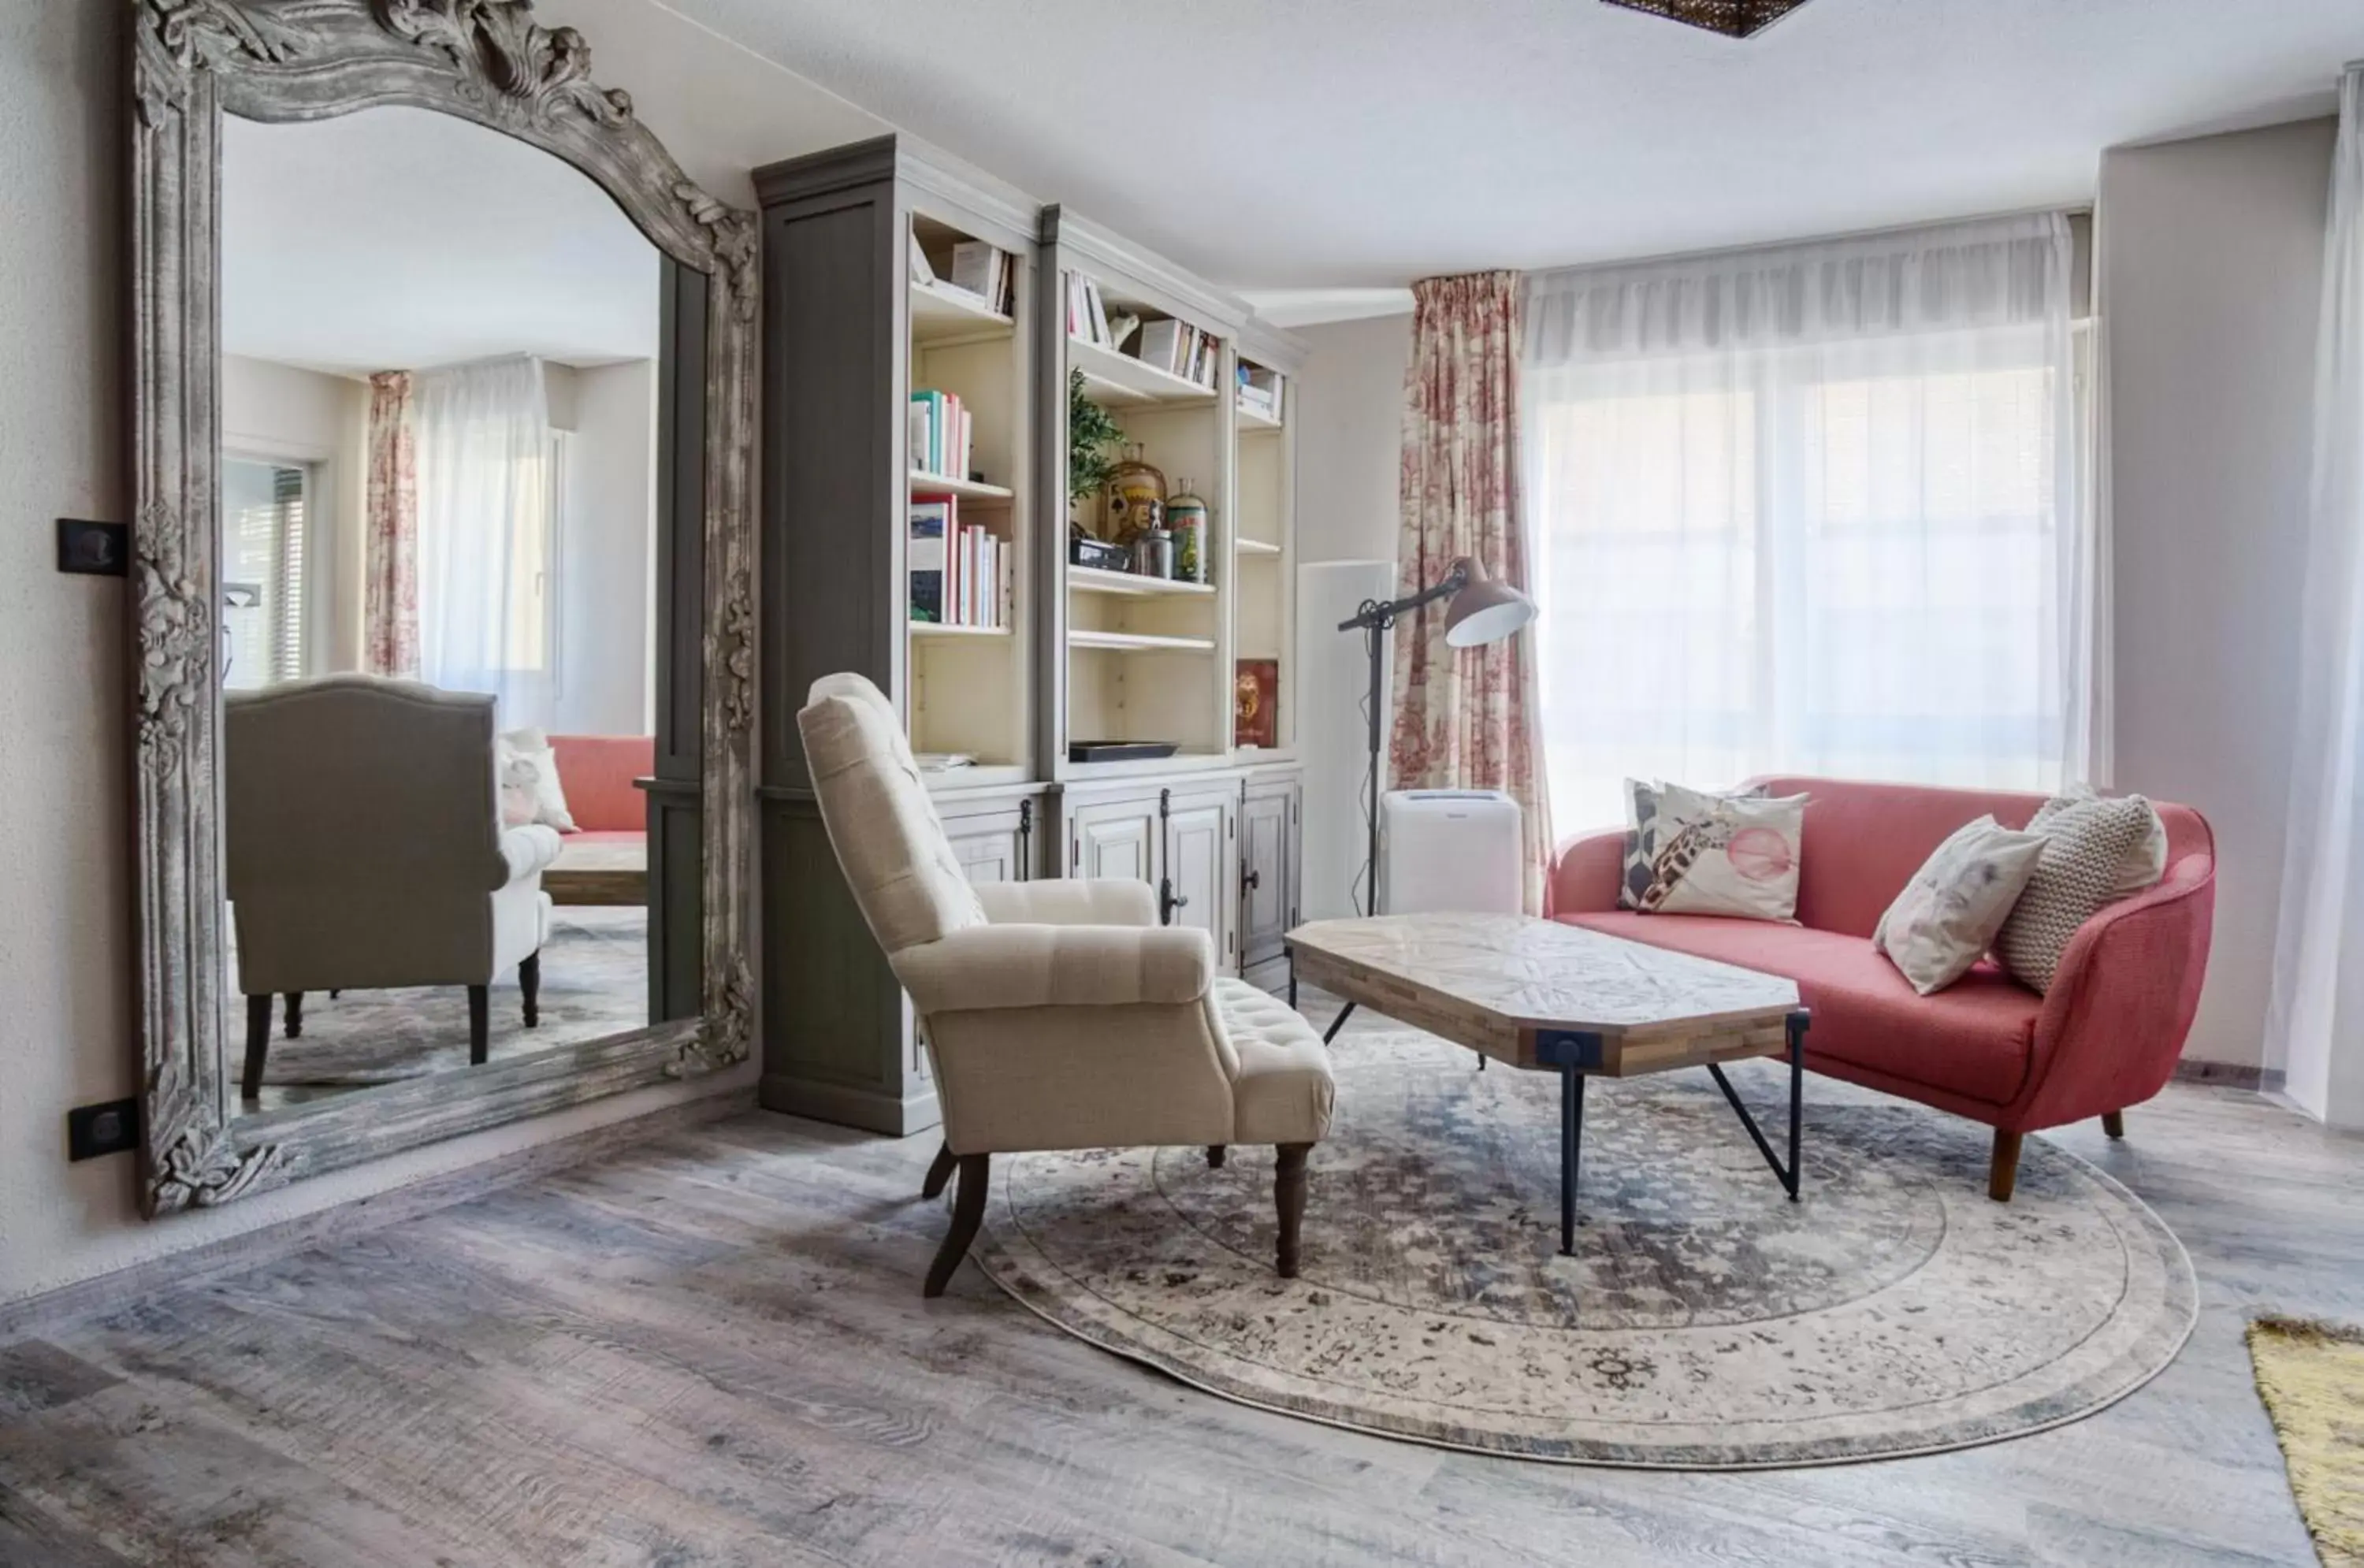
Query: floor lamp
(1482, 611)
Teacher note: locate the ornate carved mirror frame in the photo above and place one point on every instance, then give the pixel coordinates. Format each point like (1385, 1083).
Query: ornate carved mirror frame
(489, 62)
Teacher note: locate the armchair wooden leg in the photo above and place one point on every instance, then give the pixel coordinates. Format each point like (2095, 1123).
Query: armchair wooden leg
(2002, 1174)
(1215, 1154)
(295, 1015)
(258, 1044)
(2114, 1123)
(969, 1209)
(1288, 1197)
(530, 984)
(939, 1172)
(479, 1024)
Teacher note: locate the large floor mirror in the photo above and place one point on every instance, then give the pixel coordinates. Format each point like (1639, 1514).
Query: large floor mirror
(442, 561)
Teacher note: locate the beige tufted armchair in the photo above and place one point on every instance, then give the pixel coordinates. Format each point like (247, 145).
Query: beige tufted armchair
(1059, 1015)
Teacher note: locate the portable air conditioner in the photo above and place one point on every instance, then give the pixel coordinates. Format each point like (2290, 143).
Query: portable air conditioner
(1449, 849)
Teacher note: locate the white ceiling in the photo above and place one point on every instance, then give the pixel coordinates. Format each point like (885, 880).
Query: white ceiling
(402, 239)
(1295, 144)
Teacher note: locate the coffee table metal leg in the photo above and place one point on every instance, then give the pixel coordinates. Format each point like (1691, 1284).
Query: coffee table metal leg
(1338, 1023)
(1796, 1172)
(1571, 1153)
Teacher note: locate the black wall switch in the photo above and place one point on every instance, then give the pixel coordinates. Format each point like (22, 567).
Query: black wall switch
(109, 1128)
(97, 549)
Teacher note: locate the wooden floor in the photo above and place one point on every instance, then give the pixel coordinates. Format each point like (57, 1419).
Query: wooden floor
(712, 1349)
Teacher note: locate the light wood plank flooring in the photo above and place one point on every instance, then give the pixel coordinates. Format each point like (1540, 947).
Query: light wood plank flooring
(711, 1350)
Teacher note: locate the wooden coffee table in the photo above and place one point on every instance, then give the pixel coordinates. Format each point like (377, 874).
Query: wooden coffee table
(611, 872)
(1548, 997)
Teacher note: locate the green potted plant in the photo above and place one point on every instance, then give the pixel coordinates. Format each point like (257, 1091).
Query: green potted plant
(1093, 437)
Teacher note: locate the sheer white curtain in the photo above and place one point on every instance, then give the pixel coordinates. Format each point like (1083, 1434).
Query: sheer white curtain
(2314, 1030)
(1812, 509)
(486, 536)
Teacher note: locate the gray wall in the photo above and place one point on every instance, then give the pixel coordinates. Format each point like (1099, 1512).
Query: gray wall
(2212, 264)
(66, 962)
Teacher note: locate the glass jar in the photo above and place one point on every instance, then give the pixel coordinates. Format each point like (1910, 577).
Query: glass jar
(1134, 499)
(1187, 520)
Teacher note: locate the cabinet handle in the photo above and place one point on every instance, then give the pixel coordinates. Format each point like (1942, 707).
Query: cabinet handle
(1168, 901)
(1252, 880)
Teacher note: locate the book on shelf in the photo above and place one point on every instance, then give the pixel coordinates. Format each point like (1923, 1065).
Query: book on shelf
(962, 573)
(939, 435)
(987, 272)
(1260, 390)
(920, 272)
(1086, 313)
(1180, 349)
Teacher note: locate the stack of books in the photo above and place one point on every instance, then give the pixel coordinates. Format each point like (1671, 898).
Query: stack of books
(986, 271)
(1179, 349)
(1260, 391)
(940, 435)
(962, 573)
(1087, 315)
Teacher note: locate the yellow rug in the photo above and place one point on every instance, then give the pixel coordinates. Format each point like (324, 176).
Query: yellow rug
(2311, 1375)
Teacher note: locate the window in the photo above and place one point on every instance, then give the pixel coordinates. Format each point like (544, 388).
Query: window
(263, 513)
(1768, 543)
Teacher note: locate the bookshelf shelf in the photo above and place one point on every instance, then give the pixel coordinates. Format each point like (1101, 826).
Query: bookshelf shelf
(926, 483)
(940, 629)
(1247, 546)
(941, 313)
(1253, 422)
(1138, 642)
(1120, 380)
(1093, 580)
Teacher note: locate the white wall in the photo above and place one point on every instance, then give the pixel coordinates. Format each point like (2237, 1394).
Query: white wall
(2212, 257)
(605, 552)
(1349, 437)
(274, 410)
(66, 962)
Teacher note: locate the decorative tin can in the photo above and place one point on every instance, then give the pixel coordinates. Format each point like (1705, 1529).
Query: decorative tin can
(1187, 520)
(1153, 553)
(1135, 498)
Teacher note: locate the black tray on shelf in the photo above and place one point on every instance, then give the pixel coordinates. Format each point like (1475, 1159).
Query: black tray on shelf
(1120, 751)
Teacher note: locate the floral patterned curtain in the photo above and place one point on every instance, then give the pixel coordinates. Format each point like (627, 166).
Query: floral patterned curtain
(390, 614)
(1465, 718)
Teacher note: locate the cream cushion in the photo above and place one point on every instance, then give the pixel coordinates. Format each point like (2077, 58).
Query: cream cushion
(532, 790)
(1947, 918)
(884, 829)
(2089, 846)
(1283, 1093)
(991, 967)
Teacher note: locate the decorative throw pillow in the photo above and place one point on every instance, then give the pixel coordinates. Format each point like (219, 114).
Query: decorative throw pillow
(2087, 846)
(1949, 914)
(529, 771)
(1642, 833)
(1721, 855)
(2143, 868)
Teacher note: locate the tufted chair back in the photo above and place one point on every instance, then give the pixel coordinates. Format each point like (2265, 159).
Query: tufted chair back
(889, 840)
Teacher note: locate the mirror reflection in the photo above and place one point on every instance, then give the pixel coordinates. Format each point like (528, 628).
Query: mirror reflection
(438, 491)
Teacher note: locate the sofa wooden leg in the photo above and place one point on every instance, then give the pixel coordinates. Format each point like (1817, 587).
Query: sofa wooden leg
(258, 1044)
(295, 1015)
(2114, 1123)
(479, 1024)
(939, 1172)
(2002, 1174)
(969, 1209)
(1215, 1155)
(1288, 1197)
(529, 985)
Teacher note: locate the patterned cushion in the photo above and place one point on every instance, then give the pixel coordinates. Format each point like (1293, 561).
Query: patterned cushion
(1731, 855)
(1644, 807)
(1949, 913)
(2087, 844)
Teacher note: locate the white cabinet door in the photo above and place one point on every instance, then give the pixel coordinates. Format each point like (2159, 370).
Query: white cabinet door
(1197, 870)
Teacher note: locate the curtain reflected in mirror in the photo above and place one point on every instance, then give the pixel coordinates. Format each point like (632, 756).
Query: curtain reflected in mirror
(439, 585)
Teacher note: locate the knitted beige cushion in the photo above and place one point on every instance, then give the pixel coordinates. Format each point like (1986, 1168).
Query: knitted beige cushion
(2087, 844)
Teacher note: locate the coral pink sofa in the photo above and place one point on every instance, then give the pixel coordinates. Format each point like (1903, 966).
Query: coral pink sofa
(596, 772)
(2106, 1036)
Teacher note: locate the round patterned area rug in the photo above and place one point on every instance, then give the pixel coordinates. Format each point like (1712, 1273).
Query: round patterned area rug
(1706, 1322)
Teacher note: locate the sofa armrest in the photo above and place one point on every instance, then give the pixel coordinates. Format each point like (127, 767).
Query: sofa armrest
(526, 852)
(2122, 1003)
(1586, 874)
(1068, 901)
(987, 968)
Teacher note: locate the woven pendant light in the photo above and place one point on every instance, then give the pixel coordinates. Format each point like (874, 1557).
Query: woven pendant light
(1733, 18)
